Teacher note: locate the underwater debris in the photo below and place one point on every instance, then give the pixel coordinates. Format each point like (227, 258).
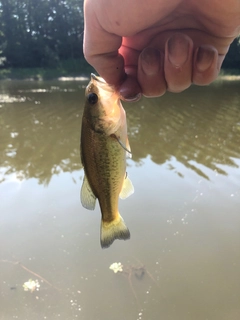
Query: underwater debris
(31, 285)
(137, 271)
(116, 267)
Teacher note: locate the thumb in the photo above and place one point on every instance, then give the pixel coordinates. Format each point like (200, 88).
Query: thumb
(100, 49)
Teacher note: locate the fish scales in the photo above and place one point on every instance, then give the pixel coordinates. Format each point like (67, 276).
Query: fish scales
(104, 171)
(103, 152)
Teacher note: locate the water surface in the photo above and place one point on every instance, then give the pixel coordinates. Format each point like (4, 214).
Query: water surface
(183, 259)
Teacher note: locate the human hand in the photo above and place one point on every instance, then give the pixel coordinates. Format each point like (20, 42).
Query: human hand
(148, 47)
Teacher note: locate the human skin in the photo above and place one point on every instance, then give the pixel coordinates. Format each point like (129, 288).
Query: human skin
(152, 46)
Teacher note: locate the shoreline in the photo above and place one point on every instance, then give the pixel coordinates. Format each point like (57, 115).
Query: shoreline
(57, 75)
(37, 77)
(228, 77)
(65, 78)
(77, 70)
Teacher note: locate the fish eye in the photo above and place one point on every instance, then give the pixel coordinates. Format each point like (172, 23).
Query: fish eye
(92, 98)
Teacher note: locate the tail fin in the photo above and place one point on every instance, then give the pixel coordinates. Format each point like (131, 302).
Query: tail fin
(113, 230)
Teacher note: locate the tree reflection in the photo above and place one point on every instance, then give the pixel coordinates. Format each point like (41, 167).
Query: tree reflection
(40, 137)
(199, 128)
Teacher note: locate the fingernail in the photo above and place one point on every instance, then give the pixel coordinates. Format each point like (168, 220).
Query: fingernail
(205, 57)
(131, 98)
(150, 61)
(130, 89)
(178, 50)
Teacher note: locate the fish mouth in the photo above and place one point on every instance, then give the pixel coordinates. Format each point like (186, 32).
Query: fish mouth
(102, 85)
(98, 79)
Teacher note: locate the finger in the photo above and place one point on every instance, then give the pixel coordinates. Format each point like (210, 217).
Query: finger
(130, 89)
(178, 62)
(151, 73)
(206, 65)
(101, 48)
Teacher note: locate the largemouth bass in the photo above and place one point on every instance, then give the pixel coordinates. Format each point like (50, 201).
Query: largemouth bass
(104, 148)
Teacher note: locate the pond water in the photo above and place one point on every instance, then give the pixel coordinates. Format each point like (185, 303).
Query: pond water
(183, 259)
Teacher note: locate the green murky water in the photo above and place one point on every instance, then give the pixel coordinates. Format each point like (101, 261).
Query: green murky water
(183, 259)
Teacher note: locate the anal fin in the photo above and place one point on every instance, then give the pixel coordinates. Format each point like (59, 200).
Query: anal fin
(127, 188)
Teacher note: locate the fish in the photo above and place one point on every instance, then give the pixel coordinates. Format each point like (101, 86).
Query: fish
(104, 148)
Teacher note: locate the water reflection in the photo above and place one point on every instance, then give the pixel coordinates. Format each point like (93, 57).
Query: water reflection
(40, 127)
(193, 243)
(40, 137)
(198, 127)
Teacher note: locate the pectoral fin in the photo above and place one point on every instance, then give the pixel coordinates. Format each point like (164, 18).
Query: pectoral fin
(126, 148)
(127, 188)
(88, 199)
(129, 153)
